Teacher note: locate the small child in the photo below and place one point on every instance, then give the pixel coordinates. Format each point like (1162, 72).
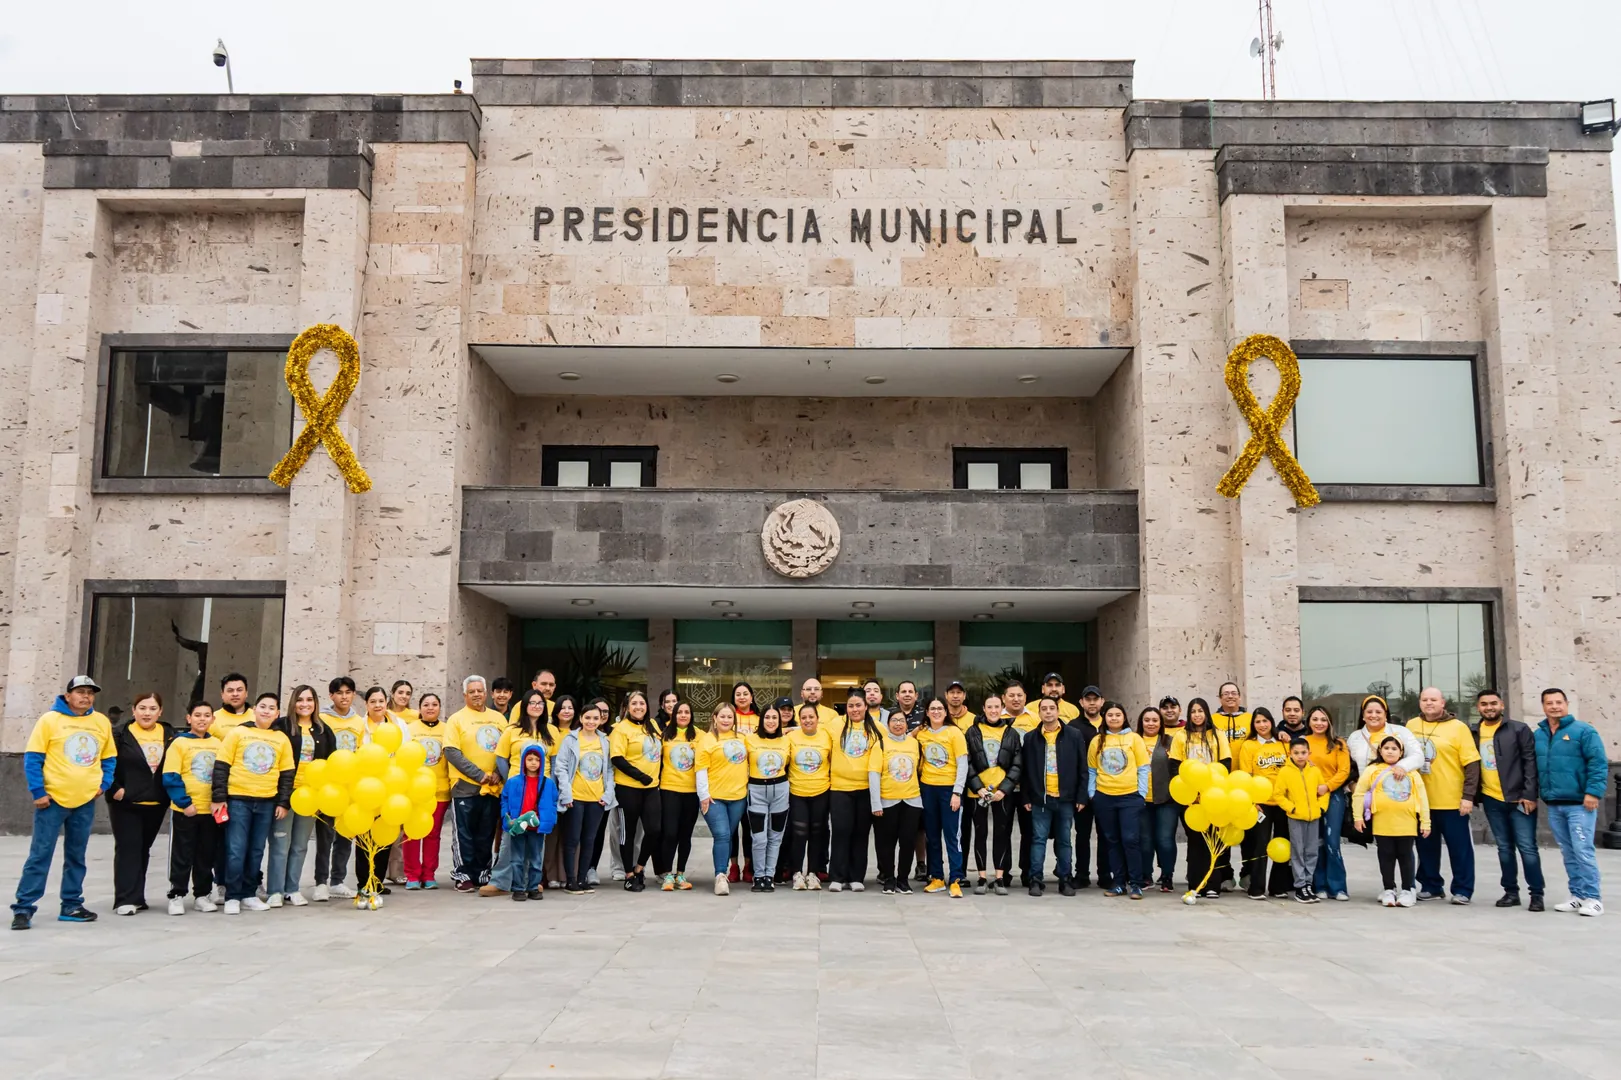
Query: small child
(194, 837)
(528, 813)
(1399, 811)
(1297, 785)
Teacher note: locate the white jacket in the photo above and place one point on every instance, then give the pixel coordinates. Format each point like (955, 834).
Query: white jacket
(1364, 753)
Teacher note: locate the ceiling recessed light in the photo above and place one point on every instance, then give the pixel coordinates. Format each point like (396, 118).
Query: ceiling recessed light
(727, 377)
(720, 603)
(731, 614)
(569, 376)
(1002, 604)
(877, 380)
(859, 615)
(1028, 379)
(582, 602)
(984, 616)
(862, 605)
(607, 614)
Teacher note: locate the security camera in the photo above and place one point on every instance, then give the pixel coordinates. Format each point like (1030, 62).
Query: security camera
(221, 57)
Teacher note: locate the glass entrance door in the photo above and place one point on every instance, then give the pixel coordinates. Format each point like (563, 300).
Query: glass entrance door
(850, 653)
(712, 656)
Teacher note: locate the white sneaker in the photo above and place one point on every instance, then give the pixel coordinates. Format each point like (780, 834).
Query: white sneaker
(1593, 908)
(1406, 898)
(274, 900)
(1570, 905)
(124, 909)
(813, 883)
(177, 905)
(218, 895)
(858, 886)
(1388, 898)
(722, 886)
(296, 899)
(233, 907)
(619, 875)
(341, 892)
(835, 886)
(204, 904)
(591, 878)
(253, 903)
(799, 881)
(322, 894)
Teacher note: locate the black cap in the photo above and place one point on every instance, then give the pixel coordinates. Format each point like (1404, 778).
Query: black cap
(782, 703)
(1169, 700)
(1091, 691)
(1051, 676)
(955, 685)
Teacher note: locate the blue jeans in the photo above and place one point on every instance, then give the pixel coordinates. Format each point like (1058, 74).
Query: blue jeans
(1157, 830)
(1330, 876)
(289, 844)
(246, 831)
(1451, 828)
(528, 853)
(940, 822)
(1053, 817)
(722, 819)
(74, 828)
(1119, 818)
(501, 872)
(1515, 830)
(1574, 827)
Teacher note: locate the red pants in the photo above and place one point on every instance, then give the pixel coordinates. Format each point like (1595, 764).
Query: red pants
(422, 856)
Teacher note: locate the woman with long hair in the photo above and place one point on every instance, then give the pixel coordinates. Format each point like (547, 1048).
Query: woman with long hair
(678, 798)
(746, 712)
(399, 700)
(993, 778)
(1264, 754)
(810, 757)
(585, 792)
(1118, 769)
(136, 801)
(723, 787)
(290, 837)
(942, 776)
(422, 856)
(901, 805)
(637, 746)
(857, 763)
(1160, 812)
(1333, 759)
(768, 793)
(1199, 740)
(376, 865)
(564, 720)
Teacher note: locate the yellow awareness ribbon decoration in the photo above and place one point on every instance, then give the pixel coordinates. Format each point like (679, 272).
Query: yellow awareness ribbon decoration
(1265, 424)
(321, 410)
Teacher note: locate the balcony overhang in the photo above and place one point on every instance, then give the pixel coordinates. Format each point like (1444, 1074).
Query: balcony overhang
(608, 370)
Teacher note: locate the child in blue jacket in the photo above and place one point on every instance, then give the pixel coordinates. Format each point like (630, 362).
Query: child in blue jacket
(528, 813)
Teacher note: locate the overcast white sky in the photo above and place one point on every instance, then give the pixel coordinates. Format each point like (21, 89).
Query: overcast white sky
(1468, 49)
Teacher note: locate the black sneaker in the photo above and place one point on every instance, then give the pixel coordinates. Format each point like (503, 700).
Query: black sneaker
(770, 884)
(574, 888)
(78, 914)
(1086, 883)
(1534, 905)
(979, 887)
(20, 921)
(1302, 896)
(1066, 887)
(1037, 887)
(921, 876)
(889, 887)
(535, 894)
(1509, 899)
(519, 895)
(1210, 894)
(1001, 886)
(903, 886)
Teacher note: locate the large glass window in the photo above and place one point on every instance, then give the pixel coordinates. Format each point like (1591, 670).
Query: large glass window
(713, 655)
(1384, 420)
(181, 646)
(993, 654)
(187, 413)
(590, 657)
(848, 653)
(1348, 651)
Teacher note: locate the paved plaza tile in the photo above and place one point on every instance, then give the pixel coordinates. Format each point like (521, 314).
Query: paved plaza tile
(453, 987)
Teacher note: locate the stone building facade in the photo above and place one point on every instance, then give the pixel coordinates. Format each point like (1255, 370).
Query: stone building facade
(836, 281)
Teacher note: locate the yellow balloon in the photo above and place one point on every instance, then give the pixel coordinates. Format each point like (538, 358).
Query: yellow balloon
(411, 756)
(1243, 807)
(396, 780)
(424, 788)
(395, 810)
(388, 737)
(1238, 779)
(1232, 835)
(384, 833)
(368, 793)
(1197, 817)
(353, 822)
(1218, 770)
(1195, 773)
(418, 826)
(333, 799)
(1278, 849)
(305, 802)
(340, 768)
(1260, 788)
(1182, 791)
(314, 775)
(371, 760)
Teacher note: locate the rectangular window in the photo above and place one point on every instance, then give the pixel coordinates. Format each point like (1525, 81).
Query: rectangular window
(181, 646)
(1389, 420)
(599, 466)
(1351, 650)
(196, 413)
(714, 655)
(980, 469)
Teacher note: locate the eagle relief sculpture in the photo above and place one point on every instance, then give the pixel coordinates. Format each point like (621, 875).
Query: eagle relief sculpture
(800, 538)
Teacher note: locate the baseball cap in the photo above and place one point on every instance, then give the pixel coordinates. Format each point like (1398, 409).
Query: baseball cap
(1091, 691)
(1051, 676)
(1169, 700)
(955, 685)
(82, 682)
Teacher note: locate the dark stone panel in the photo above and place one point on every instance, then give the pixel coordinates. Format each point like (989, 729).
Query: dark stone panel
(1382, 170)
(528, 547)
(600, 517)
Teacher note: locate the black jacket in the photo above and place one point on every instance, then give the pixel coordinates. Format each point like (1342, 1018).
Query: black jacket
(325, 740)
(1071, 750)
(1515, 745)
(1007, 757)
(141, 782)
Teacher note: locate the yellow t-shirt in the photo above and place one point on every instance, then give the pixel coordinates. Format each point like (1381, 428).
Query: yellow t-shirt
(305, 752)
(727, 763)
(767, 757)
(1050, 765)
(1066, 712)
(855, 754)
(1264, 757)
(679, 771)
(1116, 756)
(432, 738)
(941, 748)
(1209, 749)
(151, 743)
(551, 708)
(1399, 806)
(1234, 727)
(257, 757)
(810, 760)
(225, 721)
(74, 748)
(408, 715)
(476, 735)
(347, 731)
(193, 759)
(512, 741)
(1448, 747)
(965, 721)
(898, 780)
(588, 785)
(1491, 784)
(992, 734)
(636, 745)
(746, 722)
(825, 715)
(1027, 721)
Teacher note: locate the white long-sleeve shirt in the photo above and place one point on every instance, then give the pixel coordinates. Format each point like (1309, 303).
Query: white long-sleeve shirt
(1365, 753)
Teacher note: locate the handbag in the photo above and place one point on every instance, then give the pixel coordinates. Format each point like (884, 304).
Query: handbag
(1353, 809)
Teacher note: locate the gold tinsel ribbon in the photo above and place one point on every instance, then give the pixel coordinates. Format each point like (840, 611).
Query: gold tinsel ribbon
(321, 410)
(1265, 424)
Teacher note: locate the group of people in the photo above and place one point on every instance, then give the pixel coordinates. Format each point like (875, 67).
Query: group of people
(538, 785)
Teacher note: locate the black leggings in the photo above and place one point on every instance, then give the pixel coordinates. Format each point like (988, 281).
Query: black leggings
(134, 829)
(897, 839)
(993, 823)
(807, 833)
(678, 813)
(1199, 859)
(1395, 852)
(579, 825)
(851, 820)
(638, 806)
(1267, 876)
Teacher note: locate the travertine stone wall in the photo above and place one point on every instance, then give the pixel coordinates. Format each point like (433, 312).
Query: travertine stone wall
(222, 271)
(836, 293)
(193, 537)
(815, 443)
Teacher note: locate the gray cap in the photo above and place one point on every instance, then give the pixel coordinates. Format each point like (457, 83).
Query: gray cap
(82, 682)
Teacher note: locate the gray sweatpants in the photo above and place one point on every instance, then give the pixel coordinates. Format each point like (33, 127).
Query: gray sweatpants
(1303, 843)
(768, 817)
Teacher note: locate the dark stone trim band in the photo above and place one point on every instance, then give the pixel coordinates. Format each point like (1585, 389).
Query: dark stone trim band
(1382, 170)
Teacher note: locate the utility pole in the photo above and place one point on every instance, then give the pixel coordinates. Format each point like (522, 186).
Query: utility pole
(1266, 49)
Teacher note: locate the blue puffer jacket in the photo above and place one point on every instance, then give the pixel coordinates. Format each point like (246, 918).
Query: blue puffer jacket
(1571, 763)
(512, 795)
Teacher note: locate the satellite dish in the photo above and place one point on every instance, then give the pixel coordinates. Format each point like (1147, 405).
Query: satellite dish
(1255, 46)
(1277, 42)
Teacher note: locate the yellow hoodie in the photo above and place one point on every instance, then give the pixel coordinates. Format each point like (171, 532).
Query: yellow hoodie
(1296, 791)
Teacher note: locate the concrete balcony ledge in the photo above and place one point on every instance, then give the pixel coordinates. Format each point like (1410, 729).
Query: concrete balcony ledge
(948, 539)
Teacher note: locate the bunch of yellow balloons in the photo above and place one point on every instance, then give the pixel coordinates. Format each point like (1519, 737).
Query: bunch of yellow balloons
(1222, 806)
(372, 793)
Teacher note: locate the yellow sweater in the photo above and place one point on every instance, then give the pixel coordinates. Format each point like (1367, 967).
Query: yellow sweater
(1296, 791)
(1400, 807)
